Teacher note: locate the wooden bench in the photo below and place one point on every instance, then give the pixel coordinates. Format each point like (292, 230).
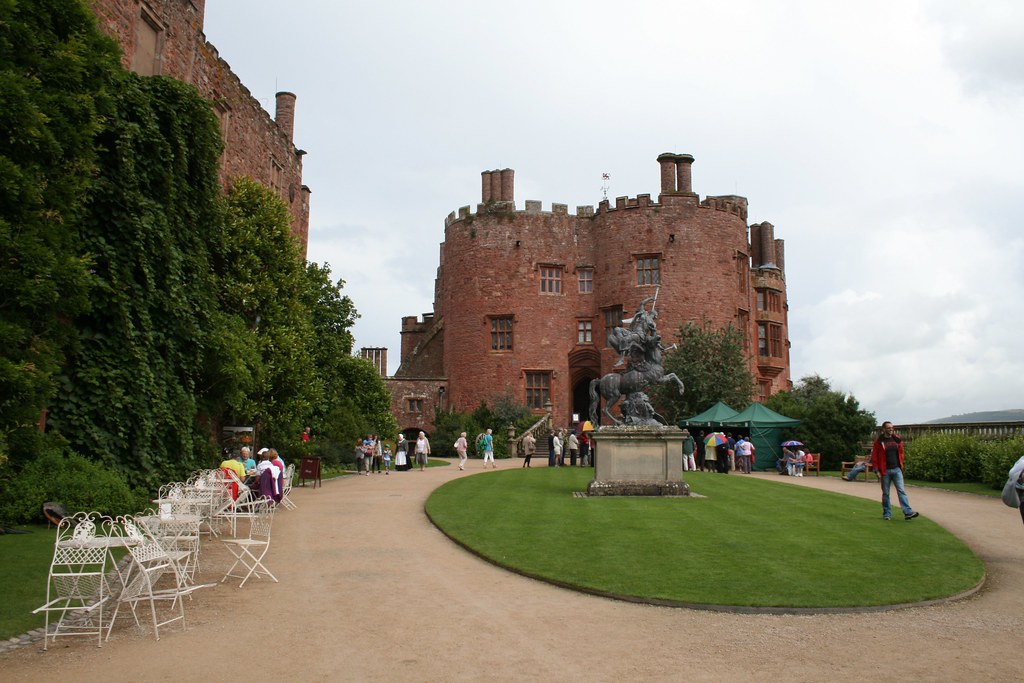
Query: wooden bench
(848, 465)
(813, 462)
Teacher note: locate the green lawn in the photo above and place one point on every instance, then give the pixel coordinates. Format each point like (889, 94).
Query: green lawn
(963, 487)
(23, 570)
(746, 542)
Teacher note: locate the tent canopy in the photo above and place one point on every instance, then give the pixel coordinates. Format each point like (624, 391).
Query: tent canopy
(766, 428)
(712, 417)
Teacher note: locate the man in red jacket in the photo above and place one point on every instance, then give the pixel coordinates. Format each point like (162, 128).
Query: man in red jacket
(887, 459)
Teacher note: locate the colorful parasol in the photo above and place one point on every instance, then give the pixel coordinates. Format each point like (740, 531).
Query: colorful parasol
(791, 443)
(715, 439)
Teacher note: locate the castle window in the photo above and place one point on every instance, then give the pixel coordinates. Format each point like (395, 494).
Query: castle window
(769, 300)
(742, 269)
(276, 173)
(538, 389)
(586, 280)
(648, 270)
(743, 321)
(612, 319)
(148, 38)
(769, 340)
(584, 331)
(415, 405)
(764, 388)
(501, 333)
(550, 280)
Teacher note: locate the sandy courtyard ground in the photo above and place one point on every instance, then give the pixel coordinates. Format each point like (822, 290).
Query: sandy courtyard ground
(370, 591)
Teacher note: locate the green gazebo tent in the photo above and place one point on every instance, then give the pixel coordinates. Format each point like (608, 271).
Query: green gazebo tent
(766, 428)
(713, 417)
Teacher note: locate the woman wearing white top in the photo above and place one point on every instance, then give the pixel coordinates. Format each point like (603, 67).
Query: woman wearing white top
(422, 451)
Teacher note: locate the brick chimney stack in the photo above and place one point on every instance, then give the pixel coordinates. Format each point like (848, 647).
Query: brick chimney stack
(498, 186)
(683, 180)
(285, 114)
(485, 182)
(675, 173)
(668, 172)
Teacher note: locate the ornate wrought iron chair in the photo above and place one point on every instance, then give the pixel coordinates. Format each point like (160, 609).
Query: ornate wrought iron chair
(249, 552)
(77, 589)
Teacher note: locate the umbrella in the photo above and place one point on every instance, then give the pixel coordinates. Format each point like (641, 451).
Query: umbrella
(587, 427)
(714, 439)
(791, 443)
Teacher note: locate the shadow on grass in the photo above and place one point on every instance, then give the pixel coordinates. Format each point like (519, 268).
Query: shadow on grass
(745, 545)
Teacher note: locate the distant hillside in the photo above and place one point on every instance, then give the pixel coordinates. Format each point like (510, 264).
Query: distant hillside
(985, 416)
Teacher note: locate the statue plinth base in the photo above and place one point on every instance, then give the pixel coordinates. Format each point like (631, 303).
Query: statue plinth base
(638, 461)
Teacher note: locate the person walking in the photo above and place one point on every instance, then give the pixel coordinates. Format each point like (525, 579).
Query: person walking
(401, 454)
(529, 446)
(422, 451)
(887, 459)
(488, 448)
(461, 446)
(378, 453)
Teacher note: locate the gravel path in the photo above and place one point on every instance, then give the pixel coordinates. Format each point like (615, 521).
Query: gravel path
(370, 591)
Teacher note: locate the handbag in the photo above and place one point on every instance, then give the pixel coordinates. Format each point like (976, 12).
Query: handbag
(1011, 496)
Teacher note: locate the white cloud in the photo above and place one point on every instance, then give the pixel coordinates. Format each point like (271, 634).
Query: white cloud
(881, 139)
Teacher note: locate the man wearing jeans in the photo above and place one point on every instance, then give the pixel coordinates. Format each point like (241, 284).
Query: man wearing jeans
(887, 459)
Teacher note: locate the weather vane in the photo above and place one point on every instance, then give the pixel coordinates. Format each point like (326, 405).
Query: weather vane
(605, 177)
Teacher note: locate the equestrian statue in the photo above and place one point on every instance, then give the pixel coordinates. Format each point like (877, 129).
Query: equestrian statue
(640, 345)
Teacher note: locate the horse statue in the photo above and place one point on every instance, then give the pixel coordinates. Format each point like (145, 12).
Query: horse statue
(643, 372)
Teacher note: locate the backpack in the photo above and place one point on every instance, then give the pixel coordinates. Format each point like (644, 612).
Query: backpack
(481, 443)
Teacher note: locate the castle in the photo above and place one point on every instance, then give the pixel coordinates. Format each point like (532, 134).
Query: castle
(524, 299)
(165, 37)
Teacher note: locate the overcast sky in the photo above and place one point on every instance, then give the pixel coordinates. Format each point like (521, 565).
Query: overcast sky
(882, 139)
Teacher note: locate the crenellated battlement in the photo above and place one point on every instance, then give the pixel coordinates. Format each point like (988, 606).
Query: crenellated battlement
(508, 211)
(729, 203)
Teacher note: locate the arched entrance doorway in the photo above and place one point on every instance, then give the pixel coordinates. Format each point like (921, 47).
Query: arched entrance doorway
(584, 366)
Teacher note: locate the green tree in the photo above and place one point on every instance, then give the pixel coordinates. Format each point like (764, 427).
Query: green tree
(55, 73)
(832, 422)
(262, 279)
(712, 364)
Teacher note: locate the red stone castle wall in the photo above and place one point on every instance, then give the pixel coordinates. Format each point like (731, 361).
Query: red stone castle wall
(256, 145)
(491, 262)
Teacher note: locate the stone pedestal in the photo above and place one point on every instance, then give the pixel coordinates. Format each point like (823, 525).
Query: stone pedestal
(638, 461)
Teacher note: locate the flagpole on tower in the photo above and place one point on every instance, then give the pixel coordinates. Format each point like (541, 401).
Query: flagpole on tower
(605, 177)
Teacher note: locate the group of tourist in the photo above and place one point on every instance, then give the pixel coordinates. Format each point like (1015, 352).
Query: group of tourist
(793, 461)
(266, 474)
(730, 455)
(560, 442)
(373, 454)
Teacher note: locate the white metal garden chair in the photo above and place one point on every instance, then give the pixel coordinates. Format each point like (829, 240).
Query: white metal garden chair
(152, 577)
(76, 587)
(233, 509)
(286, 487)
(249, 552)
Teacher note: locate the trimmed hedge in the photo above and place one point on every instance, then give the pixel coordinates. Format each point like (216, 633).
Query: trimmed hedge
(960, 458)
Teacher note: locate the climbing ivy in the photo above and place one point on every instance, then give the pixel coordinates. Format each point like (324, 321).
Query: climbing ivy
(55, 75)
(128, 392)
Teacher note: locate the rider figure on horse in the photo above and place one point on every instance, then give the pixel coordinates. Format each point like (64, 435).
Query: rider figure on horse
(641, 332)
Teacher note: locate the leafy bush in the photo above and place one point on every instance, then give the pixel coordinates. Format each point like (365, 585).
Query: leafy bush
(945, 457)
(998, 458)
(449, 424)
(71, 480)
